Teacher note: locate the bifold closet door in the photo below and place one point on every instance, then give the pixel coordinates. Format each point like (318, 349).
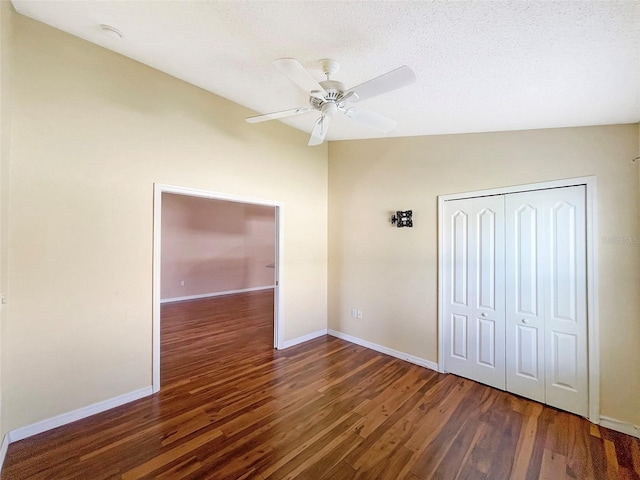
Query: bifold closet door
(546, 317)
(474, 315)
(525, 323)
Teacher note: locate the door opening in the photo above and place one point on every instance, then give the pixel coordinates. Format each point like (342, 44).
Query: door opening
(247, 265)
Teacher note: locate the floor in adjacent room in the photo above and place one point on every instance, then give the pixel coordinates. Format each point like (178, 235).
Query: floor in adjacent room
(232, 407)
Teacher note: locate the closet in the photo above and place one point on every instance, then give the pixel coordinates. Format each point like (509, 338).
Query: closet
(514, 293)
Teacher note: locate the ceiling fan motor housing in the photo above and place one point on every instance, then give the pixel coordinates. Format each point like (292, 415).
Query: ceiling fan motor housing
(335, 93)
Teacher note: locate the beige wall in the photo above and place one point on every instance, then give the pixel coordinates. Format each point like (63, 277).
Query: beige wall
(391, 274)
(92, 132)
(213, 246)
(6, 12)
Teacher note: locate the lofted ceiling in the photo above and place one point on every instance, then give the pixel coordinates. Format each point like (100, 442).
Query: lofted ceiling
(481, 65)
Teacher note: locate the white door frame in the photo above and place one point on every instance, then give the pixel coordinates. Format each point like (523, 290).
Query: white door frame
(593, 322)
(278, 319)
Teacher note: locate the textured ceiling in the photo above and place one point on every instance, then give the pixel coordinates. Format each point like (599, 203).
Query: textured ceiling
(481, 65)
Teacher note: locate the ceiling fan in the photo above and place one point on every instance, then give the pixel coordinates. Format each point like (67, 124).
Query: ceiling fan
(330, 96)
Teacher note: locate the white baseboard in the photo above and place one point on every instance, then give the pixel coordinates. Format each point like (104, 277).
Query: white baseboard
(63, 419)
(216, 294)
(304, 338)
(618, 426)
(386, 350)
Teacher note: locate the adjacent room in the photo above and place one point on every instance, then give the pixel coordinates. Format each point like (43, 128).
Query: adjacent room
(320, 240)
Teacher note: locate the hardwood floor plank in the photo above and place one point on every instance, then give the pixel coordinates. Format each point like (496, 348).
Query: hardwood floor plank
(161, 460)
(183, 469)
(460, 448)
(624, 453)
(319, 465)
(635, 455)
(342, 471)
(431, 457)
(526, 441)
(232, 407)
(438, 409)
(535, 463)
(612, 459)
(579, 463)
(554, 466)
(510, 423)
(319, 452)
(379, 409)
(388, 466)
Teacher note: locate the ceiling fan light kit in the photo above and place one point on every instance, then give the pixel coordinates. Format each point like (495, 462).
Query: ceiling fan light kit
(330, 96)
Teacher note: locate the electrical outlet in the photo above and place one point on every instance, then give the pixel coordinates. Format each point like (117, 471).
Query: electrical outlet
(182, 283)
(359, 313)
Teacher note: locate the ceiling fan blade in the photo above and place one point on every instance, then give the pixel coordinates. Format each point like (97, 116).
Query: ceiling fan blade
(400, 77)
(320, 130)
(370, 119)
(299, 75)
(276, 115)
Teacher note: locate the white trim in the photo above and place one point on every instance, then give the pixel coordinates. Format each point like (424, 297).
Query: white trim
(155, 329)
(618, 426)
(229, 197)
(593, 305)
(3, 449)
(304, 338)
(278, 297)
(440, 286)
(216, 294)
(593, 319)
(278, 321)
(84, 412)
(386, 350)
(566, 182)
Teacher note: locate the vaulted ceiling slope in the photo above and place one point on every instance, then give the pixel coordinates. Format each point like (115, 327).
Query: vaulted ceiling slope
(480, 65)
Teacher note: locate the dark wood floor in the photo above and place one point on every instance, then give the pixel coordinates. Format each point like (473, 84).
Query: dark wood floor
(233, 408)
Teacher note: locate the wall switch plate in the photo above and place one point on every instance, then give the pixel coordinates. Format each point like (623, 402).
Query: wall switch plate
(182, 283)
(354, 313)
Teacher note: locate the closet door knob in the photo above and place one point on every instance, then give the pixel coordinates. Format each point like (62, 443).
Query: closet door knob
(484, 314)
(524, 320)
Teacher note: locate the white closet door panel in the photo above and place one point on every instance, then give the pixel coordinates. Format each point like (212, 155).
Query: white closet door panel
(526, 253)
(487, 259)
(524, 296)
(459, 344)
(562, 261)
(486, 337)
(458, 337)
(460, 257)
(527, 357)
(474, 289)
(566, 331)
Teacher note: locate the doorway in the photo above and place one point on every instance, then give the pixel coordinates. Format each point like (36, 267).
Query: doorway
(501, 320)
(173, 288)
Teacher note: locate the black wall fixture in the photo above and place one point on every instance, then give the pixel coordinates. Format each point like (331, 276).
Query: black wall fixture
(402, 219)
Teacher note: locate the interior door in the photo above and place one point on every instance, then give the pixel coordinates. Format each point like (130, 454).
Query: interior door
(525, 314)
(474, 328)
(546, 314)
(566, 300)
